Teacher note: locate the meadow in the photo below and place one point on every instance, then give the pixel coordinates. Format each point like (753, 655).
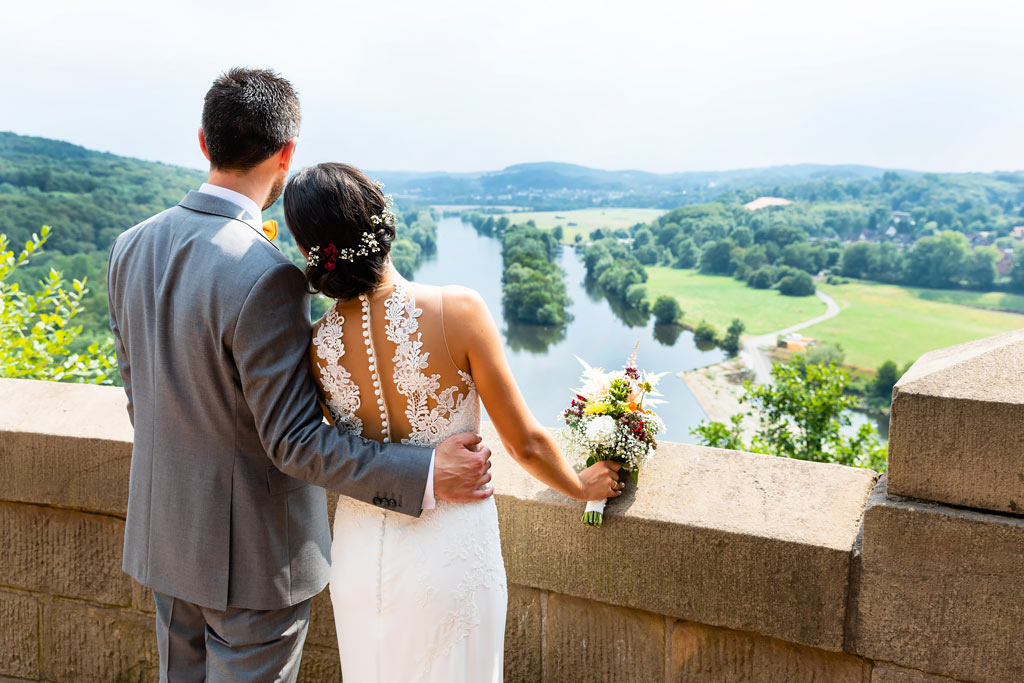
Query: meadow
(877, 322)
(719, 299)
(584, 221)
(887, 322)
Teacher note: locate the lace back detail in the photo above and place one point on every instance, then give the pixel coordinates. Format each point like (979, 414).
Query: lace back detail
(452, 411)
(340, 392)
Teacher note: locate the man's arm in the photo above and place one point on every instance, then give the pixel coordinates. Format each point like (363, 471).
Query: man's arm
(270, 345)
(122, 358)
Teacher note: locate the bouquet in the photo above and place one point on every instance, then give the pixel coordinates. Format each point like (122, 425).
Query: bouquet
(609, 419)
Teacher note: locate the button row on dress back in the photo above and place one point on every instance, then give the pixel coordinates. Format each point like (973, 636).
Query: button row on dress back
(374, 367)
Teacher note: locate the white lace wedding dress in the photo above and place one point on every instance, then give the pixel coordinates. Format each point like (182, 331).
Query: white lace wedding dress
(415, 599)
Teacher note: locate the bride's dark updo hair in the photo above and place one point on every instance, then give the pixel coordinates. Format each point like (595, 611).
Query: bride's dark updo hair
(334, 204)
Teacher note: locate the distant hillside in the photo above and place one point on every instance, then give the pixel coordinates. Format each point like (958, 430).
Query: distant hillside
(550, 185)
(88, 197)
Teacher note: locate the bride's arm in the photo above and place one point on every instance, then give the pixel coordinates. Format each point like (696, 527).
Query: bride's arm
(477, 346)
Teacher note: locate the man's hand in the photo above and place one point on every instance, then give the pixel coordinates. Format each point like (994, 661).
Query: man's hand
(461, 466)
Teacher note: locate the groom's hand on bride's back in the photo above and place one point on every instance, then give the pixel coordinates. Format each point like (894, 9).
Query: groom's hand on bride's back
(462, 466)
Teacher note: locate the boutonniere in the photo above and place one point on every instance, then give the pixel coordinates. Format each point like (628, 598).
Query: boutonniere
(270, 229)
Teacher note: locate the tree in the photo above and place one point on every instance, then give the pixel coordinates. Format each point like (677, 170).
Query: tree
(716, 257)
(886, 378)
(636, 298)
(667, 310)
(686, 253)
(762, 278)
(1017, 274)
(980, 269)
(731, 341)
(705, 332)
(938, 261)
(36, 330)
(801, 415)
(799, 284)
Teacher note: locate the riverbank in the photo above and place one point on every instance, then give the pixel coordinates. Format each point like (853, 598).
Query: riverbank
(718, 389)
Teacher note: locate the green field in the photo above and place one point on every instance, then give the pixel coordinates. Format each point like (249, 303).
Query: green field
(888, 322)
(719, 299)
(996, 301)
(586, 220)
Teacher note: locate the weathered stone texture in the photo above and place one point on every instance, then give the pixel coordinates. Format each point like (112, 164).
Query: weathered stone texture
(703, 654)
(321, 622)
(62, 552)
(319, 665)
(748, 542)
(19, 635)
(90, 644)
(142, 597)
(890, 673)
(957, 430)
(64, 444)
(588, 641)
(523, 628)
(942, 590)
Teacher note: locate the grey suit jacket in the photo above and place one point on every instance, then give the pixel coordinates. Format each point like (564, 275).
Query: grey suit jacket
(211, 324)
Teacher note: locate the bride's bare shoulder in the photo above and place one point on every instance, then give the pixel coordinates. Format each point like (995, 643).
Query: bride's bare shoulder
(463, 304)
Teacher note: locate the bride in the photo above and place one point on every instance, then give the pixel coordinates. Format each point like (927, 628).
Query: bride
(415, 599)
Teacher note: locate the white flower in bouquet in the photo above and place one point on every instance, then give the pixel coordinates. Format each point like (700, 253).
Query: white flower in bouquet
(601, 431)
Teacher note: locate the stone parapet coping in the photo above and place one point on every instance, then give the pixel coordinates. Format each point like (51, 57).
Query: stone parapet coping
(735, 540)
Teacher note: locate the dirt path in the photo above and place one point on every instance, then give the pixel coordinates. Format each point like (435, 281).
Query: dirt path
(755, 358)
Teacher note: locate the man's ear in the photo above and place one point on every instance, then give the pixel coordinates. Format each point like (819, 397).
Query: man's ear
(202, 144)
(287, 152)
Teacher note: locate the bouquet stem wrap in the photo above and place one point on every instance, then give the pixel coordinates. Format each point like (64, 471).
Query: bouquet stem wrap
(593, 515)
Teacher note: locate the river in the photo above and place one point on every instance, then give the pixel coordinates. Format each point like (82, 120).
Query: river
(546, 368)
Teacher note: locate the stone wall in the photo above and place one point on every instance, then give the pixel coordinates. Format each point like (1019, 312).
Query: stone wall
(722, 566)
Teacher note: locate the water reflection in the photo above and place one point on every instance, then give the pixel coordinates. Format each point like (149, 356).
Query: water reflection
(667, 335)
(542, 358)
(535, 339)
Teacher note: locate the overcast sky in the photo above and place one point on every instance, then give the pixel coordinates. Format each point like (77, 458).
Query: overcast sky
(474, 84)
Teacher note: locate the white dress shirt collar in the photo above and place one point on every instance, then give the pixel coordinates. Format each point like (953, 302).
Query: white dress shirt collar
(236, 198)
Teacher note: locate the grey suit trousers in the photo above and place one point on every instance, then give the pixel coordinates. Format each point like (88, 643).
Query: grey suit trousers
(199, 644)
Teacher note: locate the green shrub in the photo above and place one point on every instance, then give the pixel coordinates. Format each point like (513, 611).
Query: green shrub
(800, 284)
(667, 310)
(705, 332)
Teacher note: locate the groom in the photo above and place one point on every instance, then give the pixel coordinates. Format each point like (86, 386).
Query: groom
(211, 324)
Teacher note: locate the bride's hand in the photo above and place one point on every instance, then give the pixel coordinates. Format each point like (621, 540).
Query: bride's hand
(600, 481)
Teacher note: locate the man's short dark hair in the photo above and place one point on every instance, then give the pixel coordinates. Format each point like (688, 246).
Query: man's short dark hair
(248, 115)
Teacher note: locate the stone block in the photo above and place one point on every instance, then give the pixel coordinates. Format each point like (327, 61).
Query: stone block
(319, 665)
(82, 642)
(67, 445)
(321, 622)
(942, 590)
(63, 552)
(955, 435)
(19, 635)
(523, 630)
(589, 641)
(736, 540)
(704, 654)
(890, 673)
(142, 597)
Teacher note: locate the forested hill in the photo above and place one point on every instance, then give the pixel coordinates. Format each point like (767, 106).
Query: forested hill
(87, 197)
(549, 185)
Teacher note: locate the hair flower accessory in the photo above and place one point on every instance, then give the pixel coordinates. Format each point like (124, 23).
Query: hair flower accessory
(331, 252)
(387, 216)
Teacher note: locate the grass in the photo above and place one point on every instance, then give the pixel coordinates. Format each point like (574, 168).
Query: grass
(586, 220)
(888, 322)
(719, 299)
(996, 301)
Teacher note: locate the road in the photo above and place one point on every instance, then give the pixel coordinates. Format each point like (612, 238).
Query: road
(755, 359)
